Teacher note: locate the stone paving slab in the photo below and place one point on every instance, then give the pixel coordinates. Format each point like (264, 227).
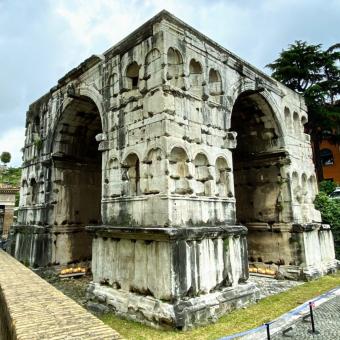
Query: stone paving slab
(39, 311)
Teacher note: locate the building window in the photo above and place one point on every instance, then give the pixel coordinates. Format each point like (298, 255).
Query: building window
(326, 156)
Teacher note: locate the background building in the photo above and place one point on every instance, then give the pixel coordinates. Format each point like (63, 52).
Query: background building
(7, 204)
(330, 156)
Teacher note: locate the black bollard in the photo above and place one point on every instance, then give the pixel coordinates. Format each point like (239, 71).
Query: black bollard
(268, 331)
(313, 331)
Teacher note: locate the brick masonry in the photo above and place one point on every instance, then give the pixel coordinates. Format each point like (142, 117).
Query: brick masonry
(30, 308)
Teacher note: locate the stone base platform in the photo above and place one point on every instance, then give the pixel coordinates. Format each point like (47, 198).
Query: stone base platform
(183, 314)
(41, 246)
(171, 277)
(295, 251)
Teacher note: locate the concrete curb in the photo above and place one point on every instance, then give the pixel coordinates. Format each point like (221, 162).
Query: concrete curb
(285, 320)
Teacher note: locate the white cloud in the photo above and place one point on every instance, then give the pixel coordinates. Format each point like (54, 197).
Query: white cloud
(41, 41)
(13, 141)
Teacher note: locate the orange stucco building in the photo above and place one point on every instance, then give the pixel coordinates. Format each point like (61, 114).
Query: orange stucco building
(330, 158)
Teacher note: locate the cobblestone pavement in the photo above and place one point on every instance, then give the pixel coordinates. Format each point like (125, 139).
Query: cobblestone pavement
(269, 286)
(327, 322)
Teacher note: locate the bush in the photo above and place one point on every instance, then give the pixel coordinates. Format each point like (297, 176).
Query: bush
(330, 213)
(10, 176)
(5, 157)
(327, 186)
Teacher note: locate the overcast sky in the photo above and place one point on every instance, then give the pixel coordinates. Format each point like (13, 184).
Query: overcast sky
(40, 40)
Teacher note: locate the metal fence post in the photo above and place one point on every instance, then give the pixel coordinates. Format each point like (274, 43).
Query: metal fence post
(268, 331)
(311, 305)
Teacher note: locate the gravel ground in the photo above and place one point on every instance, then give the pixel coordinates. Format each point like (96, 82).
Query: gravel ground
(269, 286)
(327, 323)
(74, 288)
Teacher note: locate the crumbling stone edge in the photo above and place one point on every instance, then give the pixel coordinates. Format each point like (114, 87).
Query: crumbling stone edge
(183, 314)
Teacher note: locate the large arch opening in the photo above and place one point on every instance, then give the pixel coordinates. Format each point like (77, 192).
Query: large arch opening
(258, 174)
(76, 179)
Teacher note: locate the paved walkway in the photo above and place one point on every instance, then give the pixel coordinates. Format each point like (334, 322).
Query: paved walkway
(327, 322)
(39, 311)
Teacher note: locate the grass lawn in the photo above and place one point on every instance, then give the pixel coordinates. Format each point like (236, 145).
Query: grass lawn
(240, 320)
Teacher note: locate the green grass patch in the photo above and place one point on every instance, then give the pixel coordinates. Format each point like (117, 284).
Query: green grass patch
(237, 321)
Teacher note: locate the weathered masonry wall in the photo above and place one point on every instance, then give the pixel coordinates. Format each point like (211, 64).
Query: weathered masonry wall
(168, 148)
(30, 308)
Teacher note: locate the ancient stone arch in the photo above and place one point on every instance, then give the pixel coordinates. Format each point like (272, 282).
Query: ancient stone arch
(171, 163)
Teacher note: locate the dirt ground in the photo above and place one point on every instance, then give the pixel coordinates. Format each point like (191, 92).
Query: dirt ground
(74, 288)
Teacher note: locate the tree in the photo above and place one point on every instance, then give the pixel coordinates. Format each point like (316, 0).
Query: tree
(315, 74)
(5, 157)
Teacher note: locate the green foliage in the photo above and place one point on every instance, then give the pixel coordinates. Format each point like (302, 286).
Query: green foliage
(299, 66)
(38, 143)
(5, 157)
(314, 73)
(327, 186)
(10, 176)
(330, 213)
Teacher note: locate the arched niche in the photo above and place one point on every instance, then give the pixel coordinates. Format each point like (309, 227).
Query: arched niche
(154, 172)
(175, 67)
(34, 192)
(304, 187)
(153, 68)
(288, 119)
(112, 178)
(312, 187)
(113, 85)
(36, 124)
(202, 175)
(131, 175)
(304, 120)
(196, 78)
(222, 178)
(132, 76)
(296, 188)
(215, 85)
(296, 125)
(23, 193)
(179, 172)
